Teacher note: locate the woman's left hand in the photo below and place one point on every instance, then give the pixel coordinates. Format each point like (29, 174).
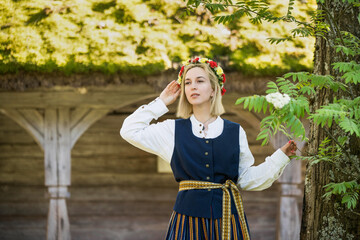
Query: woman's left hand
(289, 148)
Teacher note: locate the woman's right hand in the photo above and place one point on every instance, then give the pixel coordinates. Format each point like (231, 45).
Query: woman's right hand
(170, 93)
(289, 148)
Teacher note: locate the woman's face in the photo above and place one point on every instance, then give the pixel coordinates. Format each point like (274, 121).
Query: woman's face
(198, 89)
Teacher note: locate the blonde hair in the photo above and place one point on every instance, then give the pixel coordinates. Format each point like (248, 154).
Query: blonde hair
(185, 109)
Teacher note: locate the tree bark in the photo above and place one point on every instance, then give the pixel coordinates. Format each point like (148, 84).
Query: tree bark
(322, 218)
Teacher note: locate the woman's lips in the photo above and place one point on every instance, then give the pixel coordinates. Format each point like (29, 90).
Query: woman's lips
(195, 95)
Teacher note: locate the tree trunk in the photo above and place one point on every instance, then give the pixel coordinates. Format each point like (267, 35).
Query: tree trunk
(329, 219)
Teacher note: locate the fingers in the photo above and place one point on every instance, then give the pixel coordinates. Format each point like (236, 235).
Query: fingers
(170, 93)
(173, 86)
(289, 148)
(177, 93)
(292, 147)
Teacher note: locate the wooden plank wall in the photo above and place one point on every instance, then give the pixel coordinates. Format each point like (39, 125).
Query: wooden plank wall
(116, 192)
(23, 206)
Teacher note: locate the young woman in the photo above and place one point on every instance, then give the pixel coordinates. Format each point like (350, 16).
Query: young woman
(209, 156)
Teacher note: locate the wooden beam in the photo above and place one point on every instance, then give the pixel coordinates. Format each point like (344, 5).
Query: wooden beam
(77, 114)
(30, 120)
(70, 97)
(34, 117)
(82, 123)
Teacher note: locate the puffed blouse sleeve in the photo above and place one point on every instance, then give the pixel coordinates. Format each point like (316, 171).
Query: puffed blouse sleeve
(262, 176)
(156, 138)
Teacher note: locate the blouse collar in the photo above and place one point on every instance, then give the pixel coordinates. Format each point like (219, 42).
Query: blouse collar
(215, 128)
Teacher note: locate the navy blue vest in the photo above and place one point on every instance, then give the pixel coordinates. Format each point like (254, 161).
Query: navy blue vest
(212, 160)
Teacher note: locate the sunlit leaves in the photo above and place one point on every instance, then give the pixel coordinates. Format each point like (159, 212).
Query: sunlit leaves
(258, 11)
(278, 40)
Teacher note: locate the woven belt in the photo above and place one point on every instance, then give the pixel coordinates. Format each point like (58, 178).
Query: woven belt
(192, 185)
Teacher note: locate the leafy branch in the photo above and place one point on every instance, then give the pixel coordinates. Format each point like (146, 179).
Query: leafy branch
(256, 10)
(349, 191)
(342, 114)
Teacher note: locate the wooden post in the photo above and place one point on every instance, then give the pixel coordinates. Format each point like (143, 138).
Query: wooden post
(289, 214)
(58, 226)
(57, 170)
(62, 129)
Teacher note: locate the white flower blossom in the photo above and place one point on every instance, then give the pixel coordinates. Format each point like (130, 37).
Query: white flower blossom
(278, 100)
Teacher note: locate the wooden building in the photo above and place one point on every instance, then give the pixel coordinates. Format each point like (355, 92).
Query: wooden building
(65, 172)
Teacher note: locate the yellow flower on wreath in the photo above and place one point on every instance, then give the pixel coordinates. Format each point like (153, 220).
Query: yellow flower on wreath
(219, 71)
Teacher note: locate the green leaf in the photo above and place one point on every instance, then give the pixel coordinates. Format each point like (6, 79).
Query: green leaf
(308, 90)
(346, 199)
(298, 76)
(348, 190)
(352, 77)
(251, 103)
(327, 114)
(240, 100)
(349, 125)
(265, 105)
(278, 40)
(272, 87)
(345, 66)
(246, 103)
(258, 102)
(321, 80)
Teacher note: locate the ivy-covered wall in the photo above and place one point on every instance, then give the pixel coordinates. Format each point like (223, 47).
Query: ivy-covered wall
(139, 36)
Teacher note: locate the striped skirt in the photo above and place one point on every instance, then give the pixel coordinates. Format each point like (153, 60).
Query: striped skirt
(183, 227)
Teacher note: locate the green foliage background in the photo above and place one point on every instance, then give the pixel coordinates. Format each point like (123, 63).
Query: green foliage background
(140, 36)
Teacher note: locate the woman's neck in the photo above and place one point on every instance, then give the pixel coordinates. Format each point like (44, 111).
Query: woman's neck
(202, 114)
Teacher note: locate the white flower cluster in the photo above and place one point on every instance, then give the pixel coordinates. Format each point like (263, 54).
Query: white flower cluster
(277, 99)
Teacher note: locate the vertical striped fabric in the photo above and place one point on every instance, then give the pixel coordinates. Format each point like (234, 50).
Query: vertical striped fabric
(182, 227)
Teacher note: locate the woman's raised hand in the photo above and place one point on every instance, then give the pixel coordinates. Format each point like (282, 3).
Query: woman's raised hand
(289, 148)
(170, 93)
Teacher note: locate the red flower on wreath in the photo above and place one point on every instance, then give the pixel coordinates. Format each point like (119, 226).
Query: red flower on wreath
(181, 70)
(213, 64)
(224, 79)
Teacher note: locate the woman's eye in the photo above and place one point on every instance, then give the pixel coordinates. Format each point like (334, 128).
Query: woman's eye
(187, 83)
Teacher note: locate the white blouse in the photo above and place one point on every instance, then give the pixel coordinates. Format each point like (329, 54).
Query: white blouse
(159, 139)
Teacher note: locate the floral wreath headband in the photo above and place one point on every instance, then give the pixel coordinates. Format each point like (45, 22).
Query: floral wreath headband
(213, 65)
